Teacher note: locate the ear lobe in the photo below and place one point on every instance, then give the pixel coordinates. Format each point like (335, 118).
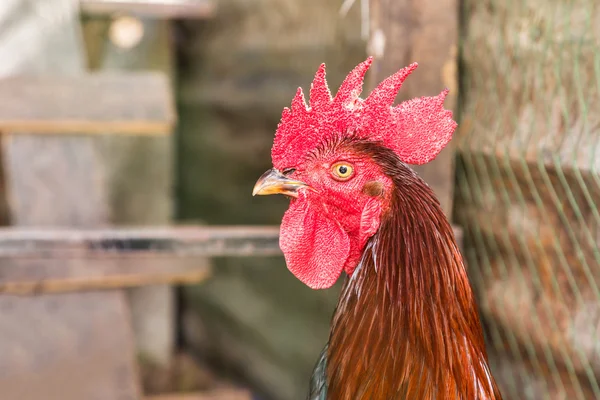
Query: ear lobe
(315, 247)
(370, 220)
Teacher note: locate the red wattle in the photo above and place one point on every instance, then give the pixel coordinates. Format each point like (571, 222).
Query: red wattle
(315, 247)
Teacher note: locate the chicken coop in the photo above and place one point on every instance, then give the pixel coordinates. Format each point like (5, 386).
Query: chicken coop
(134, 261)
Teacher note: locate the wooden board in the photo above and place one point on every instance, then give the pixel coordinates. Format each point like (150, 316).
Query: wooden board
(42, 172)
(170, 242)
(69, 346)
(36, 276)
(218, 394)
(134, 103)
(38, 37)
(425, 32)
(60, 260)
(56, 181)
(162, 9)
(66, 347)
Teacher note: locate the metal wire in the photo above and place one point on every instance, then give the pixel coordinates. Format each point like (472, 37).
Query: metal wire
(528, 189)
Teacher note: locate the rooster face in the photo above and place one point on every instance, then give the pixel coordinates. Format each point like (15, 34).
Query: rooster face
(338, 192)
(337, 198)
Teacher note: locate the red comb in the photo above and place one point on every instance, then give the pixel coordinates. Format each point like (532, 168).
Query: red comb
(417, 130)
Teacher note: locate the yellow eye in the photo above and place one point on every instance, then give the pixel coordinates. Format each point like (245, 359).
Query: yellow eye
(342, 171)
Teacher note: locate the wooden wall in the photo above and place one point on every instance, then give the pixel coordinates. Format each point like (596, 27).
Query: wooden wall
(528, 190)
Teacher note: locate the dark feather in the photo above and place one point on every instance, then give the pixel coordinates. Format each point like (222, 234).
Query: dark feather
(318, 380)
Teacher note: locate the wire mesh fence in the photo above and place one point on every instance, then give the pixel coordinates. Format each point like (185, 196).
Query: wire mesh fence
(528, 190)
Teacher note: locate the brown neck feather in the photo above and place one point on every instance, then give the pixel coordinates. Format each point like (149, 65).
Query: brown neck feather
(406, 325)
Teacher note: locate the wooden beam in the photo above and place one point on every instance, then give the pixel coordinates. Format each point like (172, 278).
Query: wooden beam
(71, 346)
(61, 260)
(425, 31)
(124, 243)
(130, 103)
(217, 394)
(37, 276)
(160, 9)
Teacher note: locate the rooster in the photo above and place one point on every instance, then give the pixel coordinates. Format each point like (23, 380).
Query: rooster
(406, 325)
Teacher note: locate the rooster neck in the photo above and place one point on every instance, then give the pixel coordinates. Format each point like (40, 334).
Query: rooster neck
(406, 325)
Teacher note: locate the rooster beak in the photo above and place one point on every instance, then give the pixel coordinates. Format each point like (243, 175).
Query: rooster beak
(274, 182)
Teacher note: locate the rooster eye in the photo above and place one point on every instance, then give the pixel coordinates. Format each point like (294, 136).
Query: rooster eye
(342, 171)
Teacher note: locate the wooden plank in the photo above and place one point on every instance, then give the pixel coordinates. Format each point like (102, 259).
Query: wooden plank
(44, 171)
(37, 276)
(69, 346)
(38, 37)
(50, 350)
(160, 9)
(61, 260)
(425, 32)
(55, 181)
(132, 243)
(217, 394)
(132, 103)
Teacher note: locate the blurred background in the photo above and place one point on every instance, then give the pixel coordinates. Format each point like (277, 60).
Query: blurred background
(134, 262)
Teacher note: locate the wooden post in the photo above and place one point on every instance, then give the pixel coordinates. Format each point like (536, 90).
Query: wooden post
(71, 346)
(141, 184)
(423, 31)
(141, 176)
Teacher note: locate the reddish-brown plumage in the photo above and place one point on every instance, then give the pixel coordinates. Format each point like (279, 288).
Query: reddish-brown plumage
(406, 326)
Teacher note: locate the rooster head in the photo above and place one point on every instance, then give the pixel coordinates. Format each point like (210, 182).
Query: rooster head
(339, 193)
